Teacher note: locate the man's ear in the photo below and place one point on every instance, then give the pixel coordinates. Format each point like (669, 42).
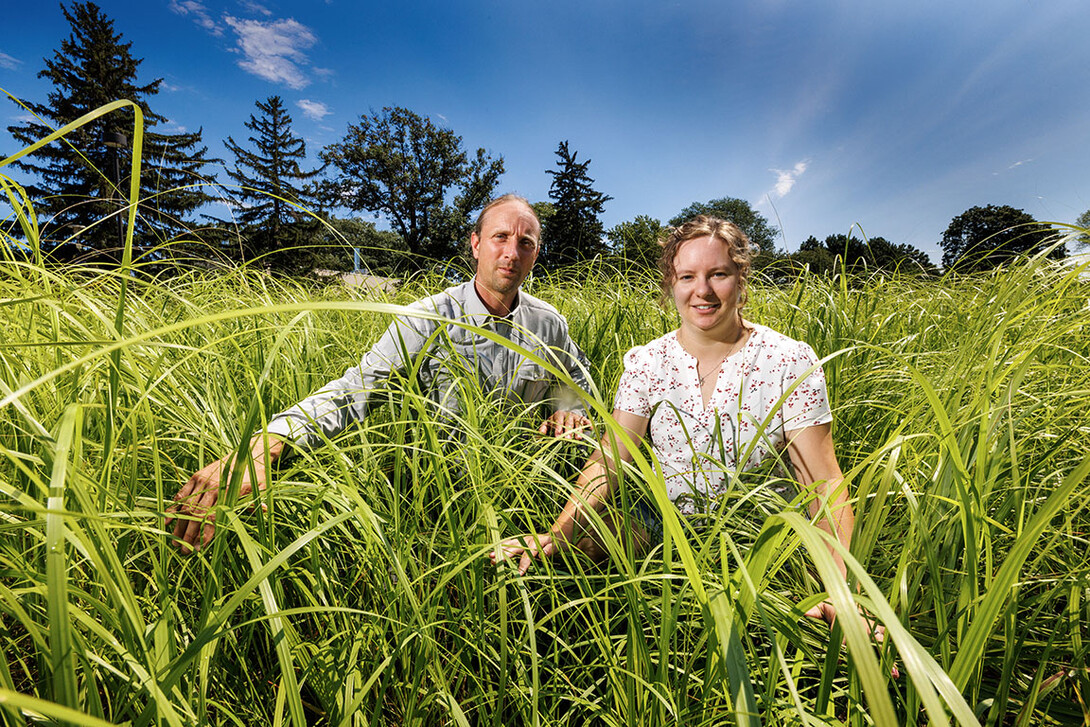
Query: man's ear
(474, 244)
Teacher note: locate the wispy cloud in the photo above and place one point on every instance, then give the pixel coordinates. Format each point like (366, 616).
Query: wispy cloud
(274, 50)
(255, 7)
(8, 62)
(785, 179)
(313, 109)
(199, 13)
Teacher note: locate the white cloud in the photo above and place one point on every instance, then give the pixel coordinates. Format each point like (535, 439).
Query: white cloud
(200, 14)
(255, 8)
(313, 109)
(8, 62)
(274, 50)
(1014, 166)
(785, 180)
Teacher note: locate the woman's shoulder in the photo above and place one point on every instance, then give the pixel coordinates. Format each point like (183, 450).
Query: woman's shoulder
(652, 351)
(771, 338)
(779, 347)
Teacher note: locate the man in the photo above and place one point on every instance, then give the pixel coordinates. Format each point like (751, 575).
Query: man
(505, 242)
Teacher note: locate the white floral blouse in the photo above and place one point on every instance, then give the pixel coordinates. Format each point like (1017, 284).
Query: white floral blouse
(746, 418)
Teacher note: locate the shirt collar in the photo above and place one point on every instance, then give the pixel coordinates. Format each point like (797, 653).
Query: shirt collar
(479, 313)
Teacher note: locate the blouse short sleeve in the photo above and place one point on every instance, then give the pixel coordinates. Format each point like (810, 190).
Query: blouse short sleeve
(634, 389)
(808, 404)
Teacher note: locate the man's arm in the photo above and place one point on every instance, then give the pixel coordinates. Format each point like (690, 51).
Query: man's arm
(317, 418)
(346, 401)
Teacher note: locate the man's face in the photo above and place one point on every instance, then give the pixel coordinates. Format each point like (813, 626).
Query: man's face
(506, 248)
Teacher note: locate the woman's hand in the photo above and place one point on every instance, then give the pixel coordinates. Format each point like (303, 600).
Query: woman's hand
(826, 611)
(526, 548)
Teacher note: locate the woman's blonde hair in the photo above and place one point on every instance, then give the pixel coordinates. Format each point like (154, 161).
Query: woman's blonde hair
(738, 245)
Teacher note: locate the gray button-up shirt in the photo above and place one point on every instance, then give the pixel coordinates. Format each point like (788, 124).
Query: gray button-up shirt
(452, 352)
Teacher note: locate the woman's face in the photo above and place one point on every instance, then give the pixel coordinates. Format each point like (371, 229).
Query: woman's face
(707, 286)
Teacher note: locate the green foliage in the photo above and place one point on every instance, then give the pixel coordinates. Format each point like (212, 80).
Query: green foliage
(637, 241)
(81, 178)
(981, 238)
(401, 165)
(1083, 222)
(271, 180)
(844, 253)
(358, 592)
(738, 211)
(573, 231)
(380, 251)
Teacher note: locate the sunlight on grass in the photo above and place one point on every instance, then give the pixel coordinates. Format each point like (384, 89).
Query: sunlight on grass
(359, 594)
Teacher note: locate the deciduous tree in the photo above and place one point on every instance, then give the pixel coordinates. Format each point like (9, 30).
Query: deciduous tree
(415, 174)
(739, 212)
(574, 231)
(637, 240)
(1084, 222)
(981, 238)
(81, 179)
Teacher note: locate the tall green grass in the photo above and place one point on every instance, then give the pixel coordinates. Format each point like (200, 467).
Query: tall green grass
(359, 595)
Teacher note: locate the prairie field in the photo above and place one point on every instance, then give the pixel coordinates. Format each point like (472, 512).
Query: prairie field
(358, 593)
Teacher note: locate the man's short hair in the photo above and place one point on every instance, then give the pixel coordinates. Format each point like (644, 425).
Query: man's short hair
(496, 203)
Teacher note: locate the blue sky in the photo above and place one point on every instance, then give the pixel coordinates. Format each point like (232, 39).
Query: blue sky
(892, 117)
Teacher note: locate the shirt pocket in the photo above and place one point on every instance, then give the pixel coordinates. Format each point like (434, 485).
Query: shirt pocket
(531, 382)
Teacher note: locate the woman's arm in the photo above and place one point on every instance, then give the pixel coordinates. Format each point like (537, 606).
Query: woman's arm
(592, 491)
(814, 459)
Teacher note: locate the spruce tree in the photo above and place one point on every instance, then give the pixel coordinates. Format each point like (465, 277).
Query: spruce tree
(573, 232)
(85, 176)
(271, 182)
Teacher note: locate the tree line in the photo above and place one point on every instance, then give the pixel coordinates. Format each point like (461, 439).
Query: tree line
(394, 164)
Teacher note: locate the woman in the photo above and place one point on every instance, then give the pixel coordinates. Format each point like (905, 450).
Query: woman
(712, 397)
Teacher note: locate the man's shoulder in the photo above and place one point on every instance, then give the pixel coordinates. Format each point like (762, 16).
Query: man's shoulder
(533, 306)
(450, 302)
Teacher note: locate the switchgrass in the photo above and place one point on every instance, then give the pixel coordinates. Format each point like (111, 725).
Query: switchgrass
(359, 594)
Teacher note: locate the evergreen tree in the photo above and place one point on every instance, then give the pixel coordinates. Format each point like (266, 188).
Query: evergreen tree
(85, 176)
(271, 183)
(574, 231)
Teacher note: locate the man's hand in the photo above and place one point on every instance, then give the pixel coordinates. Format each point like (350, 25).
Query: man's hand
(566, 425)
(193, 515)
(525, 548)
